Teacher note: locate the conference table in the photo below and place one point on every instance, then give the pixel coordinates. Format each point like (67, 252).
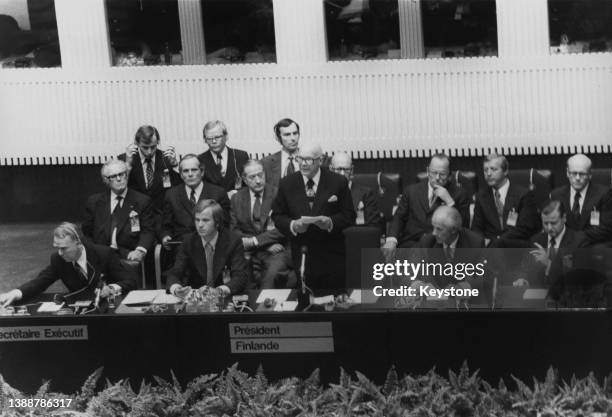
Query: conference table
(519, 337)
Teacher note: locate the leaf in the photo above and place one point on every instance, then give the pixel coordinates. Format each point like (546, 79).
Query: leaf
(391, 381)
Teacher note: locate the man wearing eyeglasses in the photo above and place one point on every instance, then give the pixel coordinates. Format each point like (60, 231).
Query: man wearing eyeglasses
(120, 217)
(418, 203)
(364, 199)
(284, 162)
(81, 266)
(312, 208)
(223, 165)
(584, 200)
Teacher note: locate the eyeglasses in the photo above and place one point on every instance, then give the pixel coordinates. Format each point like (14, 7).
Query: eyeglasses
(577, 174)
(442, 174)
(214, 138)
(340, 169)
(306, 161)
(117, 177)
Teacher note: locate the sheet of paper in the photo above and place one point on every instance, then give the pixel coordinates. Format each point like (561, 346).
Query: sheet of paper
(140, 297)
(286, 306)
(310, 219)
(535, 294)
(363, 297)
(323, 300)
(278, 295)
(165, 298)
(49, 307)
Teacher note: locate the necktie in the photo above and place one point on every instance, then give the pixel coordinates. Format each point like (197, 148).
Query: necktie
(192, 197)
(500, 208)
(310, 192)
(576, 206)
(149, 172)
(432, 199)
(82, 273)
(448, 251)
(209, 251)
(290, 168)
(257, 211)
(115, 221)
(220, 163)
(552, 251)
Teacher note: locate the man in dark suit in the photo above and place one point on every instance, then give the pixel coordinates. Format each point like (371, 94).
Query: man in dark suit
(181, 199)
(211, 256)
(222, 164)
(312, 208)
(550, 247)
(120, 218)
(504, 210)
(81, 266)
(250, 219)
(584, 200)
(283, 163)
(418, 203)
(364, 198)
(151, 170)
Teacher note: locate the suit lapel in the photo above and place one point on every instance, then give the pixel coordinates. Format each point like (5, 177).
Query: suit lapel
(511, 201)
(138, 172)
(321, 194)
(219, 256)
(266, 205)
(199, 258)
(489, 206)
(105, 214)
(244, 205)
(124, 211)
(424, 196)
(587, 206)
(276, 166)
(211, 168)
(93, 263)
(184, 201)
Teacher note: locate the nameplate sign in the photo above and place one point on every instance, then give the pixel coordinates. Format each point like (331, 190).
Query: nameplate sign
(42, 333)
(281, 337)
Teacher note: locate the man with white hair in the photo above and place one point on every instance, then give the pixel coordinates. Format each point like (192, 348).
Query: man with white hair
(120, 217)
(449, 233)
(585, 202)
(312, 208)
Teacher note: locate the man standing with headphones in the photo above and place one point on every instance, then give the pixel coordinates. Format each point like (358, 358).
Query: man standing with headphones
(283, 163)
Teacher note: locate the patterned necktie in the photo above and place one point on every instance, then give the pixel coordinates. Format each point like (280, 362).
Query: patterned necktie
(149, 172)
(192, 197)
(290, 168)
(576, 206)
(257, 211)
(209, 251)
(500, 208)
(552, 251)
(310, 192)
(220, 163)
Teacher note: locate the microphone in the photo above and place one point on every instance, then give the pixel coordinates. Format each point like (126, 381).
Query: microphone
(304, 251)
(98, 290)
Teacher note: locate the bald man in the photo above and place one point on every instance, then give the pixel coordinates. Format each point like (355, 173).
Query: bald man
(586, 203)
(448, 231)
(364, 198)
(312, 208)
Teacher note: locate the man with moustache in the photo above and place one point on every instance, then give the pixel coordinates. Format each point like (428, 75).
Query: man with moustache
(312, 208)
(283, 163)
(250, 219)
(81, 266)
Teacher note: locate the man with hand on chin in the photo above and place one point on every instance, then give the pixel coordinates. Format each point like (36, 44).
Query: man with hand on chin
(312, 208)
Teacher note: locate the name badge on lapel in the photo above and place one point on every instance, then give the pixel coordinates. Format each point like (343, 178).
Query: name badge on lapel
(166, 178)
(238, 183)
(512, 218)
(594, 217)
(134, 222)
(227, 277)
(270, 223)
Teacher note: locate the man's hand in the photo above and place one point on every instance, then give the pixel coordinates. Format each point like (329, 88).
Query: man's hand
(230, 193)
(135, 255)
(275, 248)
(299, 226)
(248, 243)
(106, 291)
(388, 249)
(540, 255)
(521, 282)
(487, 241)
(443, 194)
(165, 241)
(324, 223)
(130, 152)
(7, 298)
(170, 155)
(181, 292)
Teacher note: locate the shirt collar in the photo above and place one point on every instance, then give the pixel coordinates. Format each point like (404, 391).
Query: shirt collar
(316, 178)
(198, 189)
(559, 238)
(252, 193)
(213, 241)
(82, 261)
(503, 190)
(224, 153)
(453, 244)
(114, 196)
(582, 193)
(143, 158)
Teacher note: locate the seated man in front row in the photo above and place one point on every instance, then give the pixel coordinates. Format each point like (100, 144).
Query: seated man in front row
(250, 219)
(211, 256)
(80, 265)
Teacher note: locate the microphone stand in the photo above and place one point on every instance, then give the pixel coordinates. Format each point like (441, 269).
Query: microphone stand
(305, 290)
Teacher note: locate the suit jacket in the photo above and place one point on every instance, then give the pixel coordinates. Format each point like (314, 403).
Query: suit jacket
(177, 218)
(272, 168)
(97, 222)
(486, 221)
(371, 214)
(137, 182)
(413, 216)
(241, 222)
(101, 260)
(325, 261)
(236, 159)
(594, 198)
(190, 265)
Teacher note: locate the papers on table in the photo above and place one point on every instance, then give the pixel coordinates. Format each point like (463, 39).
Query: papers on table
(286, 306)
(49, 307)
(277, 295)
(363, 297)
(535, 294)
(323, 300)
(146, 297)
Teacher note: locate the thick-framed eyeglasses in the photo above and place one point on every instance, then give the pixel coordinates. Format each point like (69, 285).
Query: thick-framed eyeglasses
(577, 174)
(117, 177)
(441, 174)
(340, 169)
(214, 138)
(306, 161)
